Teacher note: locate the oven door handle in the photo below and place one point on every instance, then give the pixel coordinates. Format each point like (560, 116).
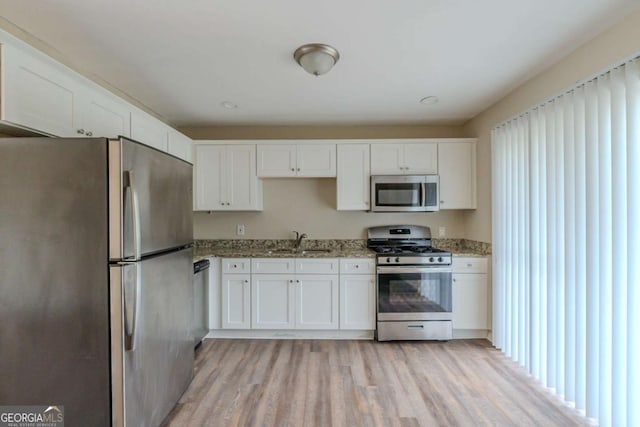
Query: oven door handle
(413, 269)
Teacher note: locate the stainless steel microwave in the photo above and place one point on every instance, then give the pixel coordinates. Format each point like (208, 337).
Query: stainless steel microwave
(405, 193)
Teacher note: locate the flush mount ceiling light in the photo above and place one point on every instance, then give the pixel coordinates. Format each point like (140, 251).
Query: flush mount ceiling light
(316, 58)
(429, 100)
(228, 104)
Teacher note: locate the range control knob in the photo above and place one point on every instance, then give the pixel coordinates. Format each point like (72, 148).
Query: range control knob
(439, 259)
(431, 259)
(398, 259)
(388, 259)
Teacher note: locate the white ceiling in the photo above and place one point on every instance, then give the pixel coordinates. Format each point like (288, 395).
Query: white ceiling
(182, 59)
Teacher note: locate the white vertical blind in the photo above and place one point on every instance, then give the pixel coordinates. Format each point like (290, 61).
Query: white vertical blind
(566, 237)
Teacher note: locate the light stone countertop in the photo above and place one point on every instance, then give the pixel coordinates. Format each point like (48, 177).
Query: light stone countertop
(201, 253)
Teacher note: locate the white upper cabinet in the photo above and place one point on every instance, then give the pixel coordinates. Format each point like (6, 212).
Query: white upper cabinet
(180, 145)
(301, 160)
(38, 93)
(149, 130)
(457, 170)
(316, 160)
(225, 178)
(102, 114)
(353, 177)
(404, 158)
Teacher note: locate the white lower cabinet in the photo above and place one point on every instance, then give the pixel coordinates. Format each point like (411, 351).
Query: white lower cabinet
(272, 305)
(358, 301)
(470, 293)
(281, 300)
(316, 297)
(298, 293)
(357, 294)
(236, 301)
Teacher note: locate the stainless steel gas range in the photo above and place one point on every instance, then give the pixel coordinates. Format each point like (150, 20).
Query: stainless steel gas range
(414, 284)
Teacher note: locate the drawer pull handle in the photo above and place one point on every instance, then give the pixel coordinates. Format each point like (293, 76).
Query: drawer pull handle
(415, 326)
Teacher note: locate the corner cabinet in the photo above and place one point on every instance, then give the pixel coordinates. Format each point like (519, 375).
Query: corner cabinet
(353, 177)
(309, 160)
(398, 158)
(225, 178)
(457, 170)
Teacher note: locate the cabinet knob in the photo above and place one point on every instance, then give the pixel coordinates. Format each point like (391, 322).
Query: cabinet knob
(297, 281)
(293, 170)
(228, 203)
(468, 265)
(357, 266)
(222, 203)
(235, 266)
(80, 131)
(246, 281)
(298, 169)
(290, 281)
(89, 133)
(441, 201)
(454, 280)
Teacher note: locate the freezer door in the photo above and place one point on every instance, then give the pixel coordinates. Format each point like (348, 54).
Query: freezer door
(152, 338)
(150, 201)
(54, 300)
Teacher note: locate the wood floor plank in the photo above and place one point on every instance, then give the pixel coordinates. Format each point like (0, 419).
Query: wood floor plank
(362, 383)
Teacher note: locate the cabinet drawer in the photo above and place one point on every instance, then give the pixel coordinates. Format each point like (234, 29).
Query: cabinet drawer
(470, 265)
(357, 266)
(272, 265)
(317, 266)
(236, 265)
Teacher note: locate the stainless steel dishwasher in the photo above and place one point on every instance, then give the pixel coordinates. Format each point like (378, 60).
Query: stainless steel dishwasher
(200, 300)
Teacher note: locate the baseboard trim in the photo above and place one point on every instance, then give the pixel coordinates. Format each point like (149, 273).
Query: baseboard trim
(290, 334)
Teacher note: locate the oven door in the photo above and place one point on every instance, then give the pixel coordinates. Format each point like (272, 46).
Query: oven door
(414, 293)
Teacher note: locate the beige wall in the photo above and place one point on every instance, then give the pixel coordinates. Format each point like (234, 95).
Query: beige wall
(309, 204)
(610, 47)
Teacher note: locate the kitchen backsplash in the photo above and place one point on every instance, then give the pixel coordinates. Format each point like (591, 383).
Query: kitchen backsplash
(453, 245)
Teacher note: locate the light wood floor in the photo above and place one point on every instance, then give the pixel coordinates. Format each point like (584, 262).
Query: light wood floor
(362, 383)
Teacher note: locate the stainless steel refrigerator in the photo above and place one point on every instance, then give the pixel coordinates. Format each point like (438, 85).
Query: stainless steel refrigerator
(95, 279)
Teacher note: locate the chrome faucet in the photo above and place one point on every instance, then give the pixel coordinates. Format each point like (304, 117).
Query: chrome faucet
(298, 242)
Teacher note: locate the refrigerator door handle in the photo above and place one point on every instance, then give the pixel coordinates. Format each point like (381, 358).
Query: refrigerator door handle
(131, 303)
(135, 216)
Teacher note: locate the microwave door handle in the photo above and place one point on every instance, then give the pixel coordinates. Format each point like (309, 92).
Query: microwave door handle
(423, 194)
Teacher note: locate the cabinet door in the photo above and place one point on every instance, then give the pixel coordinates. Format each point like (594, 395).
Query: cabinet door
(316, 301)
(149, 130)
(277, 160)
(236, 301)
(316, 160)
(358, 301)
(353, 177)
(420, 158)
(242, 185)
(470, 301)
(37, 93)
(272, 301)
(209, 177)
(457, 170)
(103, 115)
(386, 159)
(180, 146)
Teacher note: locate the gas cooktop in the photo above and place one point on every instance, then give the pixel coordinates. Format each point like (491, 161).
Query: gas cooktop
(406, 245)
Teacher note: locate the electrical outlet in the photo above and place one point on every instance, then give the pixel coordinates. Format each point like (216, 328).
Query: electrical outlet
(442, 232)
(240, 230)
